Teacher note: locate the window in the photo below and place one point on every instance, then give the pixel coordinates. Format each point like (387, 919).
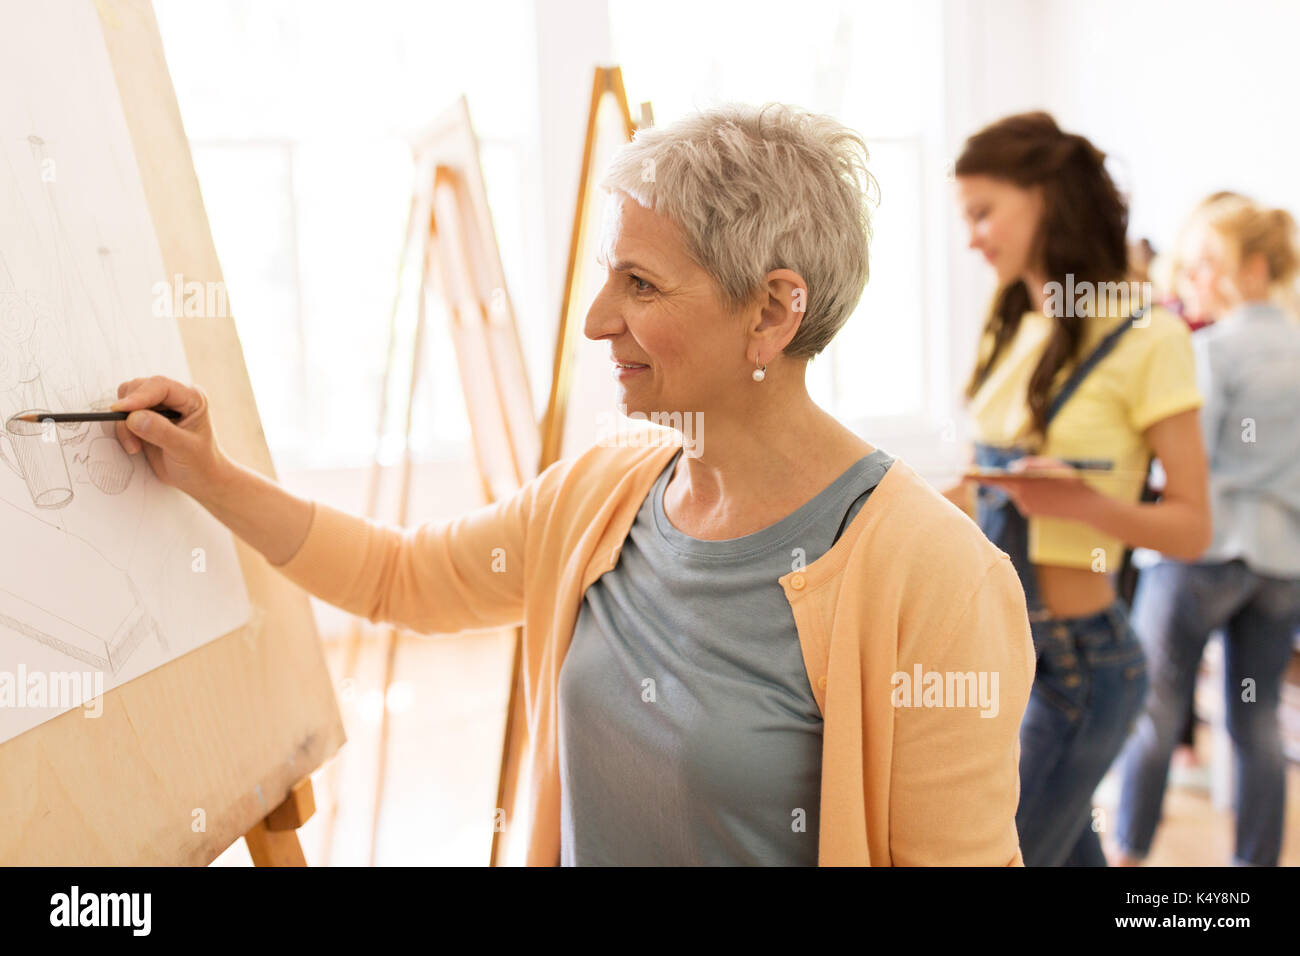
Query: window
(877, 67)
(297, 114)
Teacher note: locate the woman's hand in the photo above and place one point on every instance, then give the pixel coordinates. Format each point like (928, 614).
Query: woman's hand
(1066, 496)
(184, 454)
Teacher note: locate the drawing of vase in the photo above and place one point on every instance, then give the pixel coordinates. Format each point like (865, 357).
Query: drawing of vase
(38, 453)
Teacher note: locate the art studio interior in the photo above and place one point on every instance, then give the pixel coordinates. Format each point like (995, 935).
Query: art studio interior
(591, 432)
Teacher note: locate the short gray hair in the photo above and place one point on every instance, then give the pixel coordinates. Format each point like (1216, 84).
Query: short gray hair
(761, 188)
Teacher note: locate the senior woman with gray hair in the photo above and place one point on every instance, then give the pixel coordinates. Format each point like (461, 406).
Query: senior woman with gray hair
(780, 646)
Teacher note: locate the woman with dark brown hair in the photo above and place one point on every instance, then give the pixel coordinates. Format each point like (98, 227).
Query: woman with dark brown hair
(1078, 383)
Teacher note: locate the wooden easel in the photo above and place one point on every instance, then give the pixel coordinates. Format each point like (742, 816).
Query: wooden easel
(274, 841)
(448, 223)
(236, 726)
(608, 81)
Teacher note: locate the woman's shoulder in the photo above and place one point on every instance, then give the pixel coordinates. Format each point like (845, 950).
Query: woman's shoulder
(1165, 322)
(596, 473)
(928, 560)
(919, 527)
(1158, 341)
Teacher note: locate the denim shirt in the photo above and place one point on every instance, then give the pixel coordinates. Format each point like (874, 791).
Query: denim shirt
(1248, 369)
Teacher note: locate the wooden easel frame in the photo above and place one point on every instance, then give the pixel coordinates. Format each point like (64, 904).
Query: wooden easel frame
(608, 81)
(450, 225)
(274, 841)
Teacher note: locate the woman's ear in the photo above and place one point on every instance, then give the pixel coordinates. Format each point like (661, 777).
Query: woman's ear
(784, 302)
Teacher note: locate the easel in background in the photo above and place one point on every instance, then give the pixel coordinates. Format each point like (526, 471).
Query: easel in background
(450, 225)
(449, 222)
(608, 82)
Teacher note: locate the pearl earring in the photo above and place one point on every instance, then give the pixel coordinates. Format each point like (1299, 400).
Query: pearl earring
(760, 373)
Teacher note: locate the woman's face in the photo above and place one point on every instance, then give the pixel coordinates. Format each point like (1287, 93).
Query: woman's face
(1207, 273)
(1002, 219)
(662, 314)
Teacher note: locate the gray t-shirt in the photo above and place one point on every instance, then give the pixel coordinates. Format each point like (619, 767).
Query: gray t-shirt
(688, 731)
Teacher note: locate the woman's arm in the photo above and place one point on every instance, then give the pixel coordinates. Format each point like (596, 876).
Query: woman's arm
(262, 513)
(439, 577)
(1178, 525)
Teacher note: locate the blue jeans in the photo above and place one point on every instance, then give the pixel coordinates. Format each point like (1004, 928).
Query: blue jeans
(1176, 608)
(1087, 692)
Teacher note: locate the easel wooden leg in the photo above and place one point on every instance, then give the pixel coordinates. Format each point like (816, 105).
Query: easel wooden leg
(274, 841)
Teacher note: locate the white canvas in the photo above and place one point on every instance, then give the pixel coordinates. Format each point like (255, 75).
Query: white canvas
(105, 573)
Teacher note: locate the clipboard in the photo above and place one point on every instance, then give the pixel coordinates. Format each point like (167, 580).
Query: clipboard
(982, 471)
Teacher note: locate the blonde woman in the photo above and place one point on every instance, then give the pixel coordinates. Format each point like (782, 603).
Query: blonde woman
(782, 648)
(1242, 258)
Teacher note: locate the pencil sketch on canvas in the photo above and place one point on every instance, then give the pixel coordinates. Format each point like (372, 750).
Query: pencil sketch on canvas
(101, 566)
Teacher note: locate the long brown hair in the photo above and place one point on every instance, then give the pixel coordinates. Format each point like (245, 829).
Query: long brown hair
(1082, 232)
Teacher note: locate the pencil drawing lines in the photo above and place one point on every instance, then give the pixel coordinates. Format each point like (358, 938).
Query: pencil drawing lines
(102, 628)
(20, 312)
(108, 465)
(104, 634)
(35, 361)
(82, 339)
(96, 554)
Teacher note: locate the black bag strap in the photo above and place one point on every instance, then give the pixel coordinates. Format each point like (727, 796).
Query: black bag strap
(1127, 572)
(1084, 368)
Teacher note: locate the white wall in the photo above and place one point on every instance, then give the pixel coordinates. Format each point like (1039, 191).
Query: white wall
(1193, 97)
(1187, 97)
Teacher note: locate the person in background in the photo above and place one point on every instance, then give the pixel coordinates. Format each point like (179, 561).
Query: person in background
(1063, 379)
(1165, 273)
(1169, 276)
(1141, 254)
(1243, 259)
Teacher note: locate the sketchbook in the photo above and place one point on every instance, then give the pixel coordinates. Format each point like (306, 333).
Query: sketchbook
(105, 573)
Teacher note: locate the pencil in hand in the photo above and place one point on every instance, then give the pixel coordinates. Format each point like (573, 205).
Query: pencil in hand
(169, 413)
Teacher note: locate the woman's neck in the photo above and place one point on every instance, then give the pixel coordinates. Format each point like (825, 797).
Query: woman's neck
(1242, 302)
(759, 464)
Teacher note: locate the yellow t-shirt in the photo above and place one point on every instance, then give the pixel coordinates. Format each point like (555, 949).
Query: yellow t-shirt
(1148, 376)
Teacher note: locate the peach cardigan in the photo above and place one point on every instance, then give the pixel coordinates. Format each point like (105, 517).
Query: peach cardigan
(912, 583)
